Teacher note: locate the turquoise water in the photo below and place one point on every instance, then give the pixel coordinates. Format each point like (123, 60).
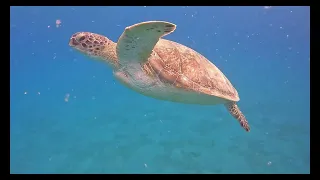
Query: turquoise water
(106, 128)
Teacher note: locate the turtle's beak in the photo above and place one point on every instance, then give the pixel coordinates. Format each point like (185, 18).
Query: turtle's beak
(70, 43)
(73, 42)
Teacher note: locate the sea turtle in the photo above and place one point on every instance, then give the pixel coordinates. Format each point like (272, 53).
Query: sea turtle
(150, 65)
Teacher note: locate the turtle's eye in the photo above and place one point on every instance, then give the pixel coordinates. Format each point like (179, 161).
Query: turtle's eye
(81, 38)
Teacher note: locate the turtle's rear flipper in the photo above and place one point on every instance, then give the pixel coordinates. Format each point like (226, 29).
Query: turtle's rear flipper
(236, 113)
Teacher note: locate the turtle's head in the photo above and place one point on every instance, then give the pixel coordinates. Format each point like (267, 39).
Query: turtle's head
(94, 45)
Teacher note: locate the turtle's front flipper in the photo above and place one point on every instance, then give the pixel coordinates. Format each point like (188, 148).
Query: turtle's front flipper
(236, 113)
(136, 43)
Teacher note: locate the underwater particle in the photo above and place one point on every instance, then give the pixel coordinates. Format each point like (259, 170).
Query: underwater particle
(267, 7)
(58, 23)
(92, 21)
(161, 121)
(25, 92)
(38, 93)
(281, 27)
(95, 117)
(93, 97)
(287, 35)
(66, 97)
(49, 26)
(145, 165)
(269, 163)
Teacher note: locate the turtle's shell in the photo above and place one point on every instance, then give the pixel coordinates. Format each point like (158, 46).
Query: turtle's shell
(184, 68)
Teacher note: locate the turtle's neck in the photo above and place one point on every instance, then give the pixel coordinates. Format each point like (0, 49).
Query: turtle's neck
(110, 55)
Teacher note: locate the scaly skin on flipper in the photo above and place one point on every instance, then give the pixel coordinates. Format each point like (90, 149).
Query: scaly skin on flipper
(136, 43)
(237, 114)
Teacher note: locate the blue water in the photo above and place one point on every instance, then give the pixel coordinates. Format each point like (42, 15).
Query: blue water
(106, 128)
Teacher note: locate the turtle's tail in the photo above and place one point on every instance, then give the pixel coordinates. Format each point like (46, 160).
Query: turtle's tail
(236, 113)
